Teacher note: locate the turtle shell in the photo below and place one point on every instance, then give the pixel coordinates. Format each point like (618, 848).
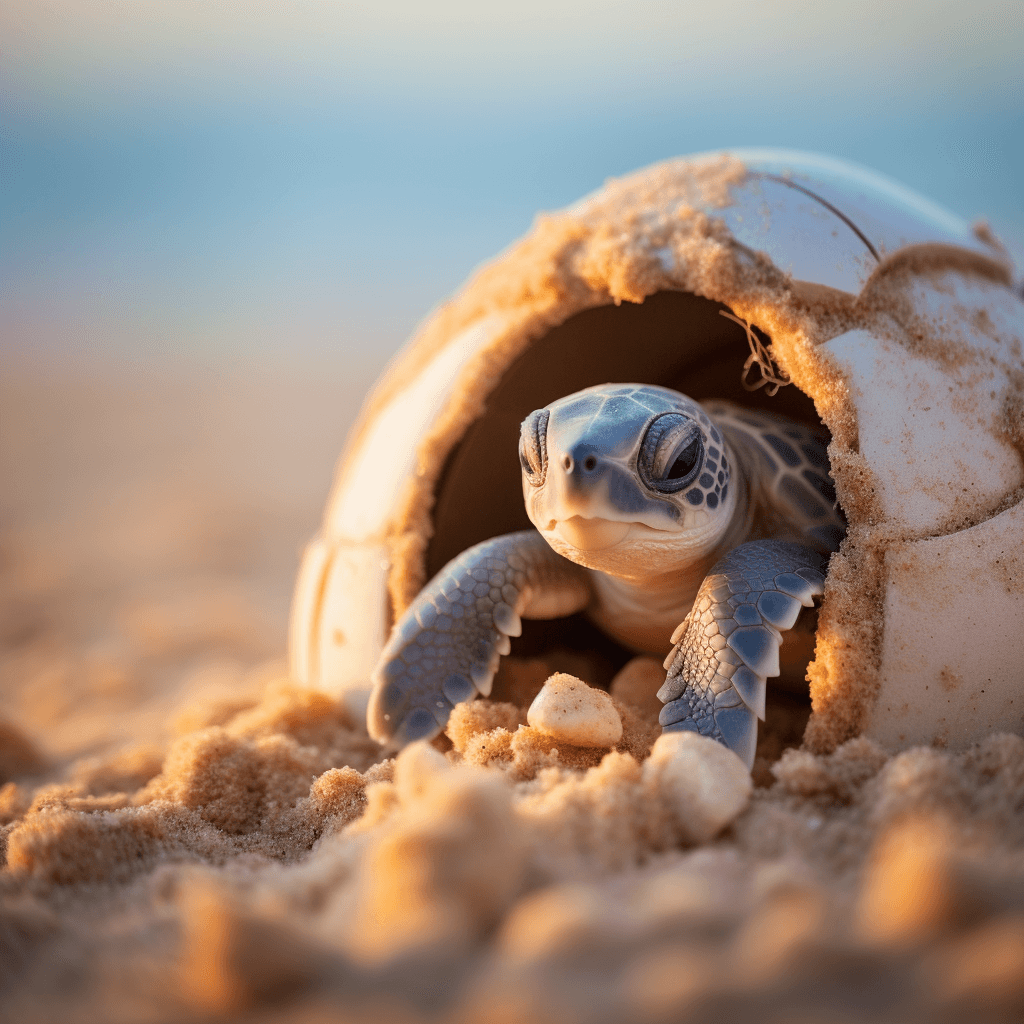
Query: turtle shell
(896, 323)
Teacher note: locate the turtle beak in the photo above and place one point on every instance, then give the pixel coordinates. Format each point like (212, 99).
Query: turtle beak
(578, 483)
(578, 503)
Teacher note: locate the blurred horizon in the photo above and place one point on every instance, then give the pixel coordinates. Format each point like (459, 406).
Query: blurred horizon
(304, 182)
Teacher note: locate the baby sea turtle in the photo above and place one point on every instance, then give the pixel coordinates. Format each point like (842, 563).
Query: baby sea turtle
(661, 518)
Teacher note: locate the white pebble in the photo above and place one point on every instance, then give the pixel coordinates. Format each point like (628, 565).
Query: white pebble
(702, 782)
(569, 710)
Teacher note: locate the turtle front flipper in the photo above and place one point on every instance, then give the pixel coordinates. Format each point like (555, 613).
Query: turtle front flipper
(728, 645)
(446, 646)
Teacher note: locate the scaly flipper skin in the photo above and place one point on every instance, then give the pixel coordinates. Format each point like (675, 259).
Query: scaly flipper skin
(446, 647)
(728, 645)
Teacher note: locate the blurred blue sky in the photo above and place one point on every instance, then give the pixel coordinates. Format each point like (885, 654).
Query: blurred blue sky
(305, 180)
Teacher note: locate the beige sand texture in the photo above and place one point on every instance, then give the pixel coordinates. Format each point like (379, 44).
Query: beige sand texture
(189, 836)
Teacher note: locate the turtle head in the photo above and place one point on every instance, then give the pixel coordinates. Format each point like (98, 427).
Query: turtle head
(625, 477)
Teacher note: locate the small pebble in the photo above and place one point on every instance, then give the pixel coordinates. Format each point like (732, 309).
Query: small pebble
(702, 780)
(569, 710)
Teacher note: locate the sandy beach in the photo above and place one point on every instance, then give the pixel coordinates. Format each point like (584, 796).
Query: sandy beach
(190, 836)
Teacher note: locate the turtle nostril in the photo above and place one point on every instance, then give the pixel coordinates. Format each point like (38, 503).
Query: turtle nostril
(590, 464)
(567, 462)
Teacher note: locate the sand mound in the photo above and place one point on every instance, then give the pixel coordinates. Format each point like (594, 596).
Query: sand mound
(278, 862)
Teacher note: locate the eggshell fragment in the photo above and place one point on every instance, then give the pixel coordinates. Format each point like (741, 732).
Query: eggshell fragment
(570, 710)
(950, 670)
(930, 399)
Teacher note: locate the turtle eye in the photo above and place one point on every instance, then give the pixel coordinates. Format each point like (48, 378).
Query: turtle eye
(533, 446)
(670, 453)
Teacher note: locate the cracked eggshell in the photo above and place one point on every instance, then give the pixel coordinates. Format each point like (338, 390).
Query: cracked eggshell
(936, 389)
(972, 674)
(930, 395)
(898, 321)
